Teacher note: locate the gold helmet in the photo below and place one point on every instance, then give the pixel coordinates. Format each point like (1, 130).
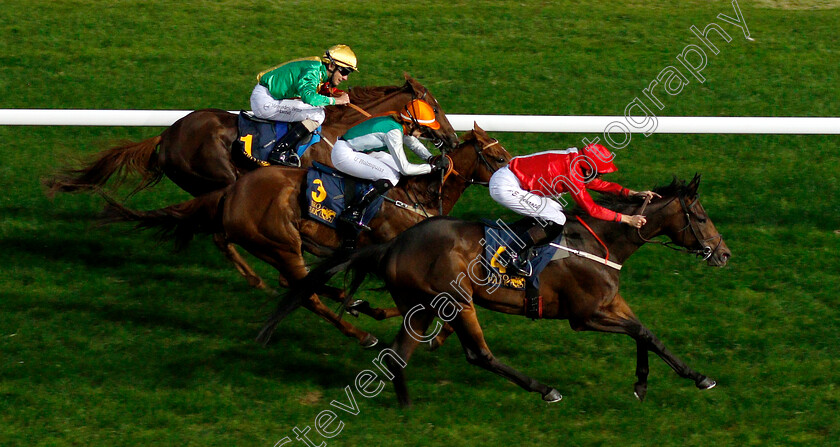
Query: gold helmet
(340, 55)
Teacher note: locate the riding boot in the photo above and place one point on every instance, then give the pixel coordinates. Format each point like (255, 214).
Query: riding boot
(534, 236)
(284, 151)
(353, 212)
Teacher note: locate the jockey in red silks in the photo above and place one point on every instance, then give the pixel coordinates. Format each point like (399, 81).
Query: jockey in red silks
(527, 183)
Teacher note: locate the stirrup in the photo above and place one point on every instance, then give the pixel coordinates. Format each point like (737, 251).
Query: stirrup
(354, 219)
(286, 158)
(519, 266)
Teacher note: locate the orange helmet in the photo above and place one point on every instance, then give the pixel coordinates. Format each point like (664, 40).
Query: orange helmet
(601, 157)
(420, 112)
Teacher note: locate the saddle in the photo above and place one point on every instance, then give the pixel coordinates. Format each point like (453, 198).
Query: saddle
(499, 236)
(328, 191)
(257, 137)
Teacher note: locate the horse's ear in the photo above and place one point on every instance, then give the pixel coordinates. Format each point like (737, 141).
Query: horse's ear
(694, 184)
(478, 130)
(413, 84)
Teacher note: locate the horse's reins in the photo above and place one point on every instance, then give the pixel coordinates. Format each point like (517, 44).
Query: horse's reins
(444, 175)
(481, 158)
(706, 252)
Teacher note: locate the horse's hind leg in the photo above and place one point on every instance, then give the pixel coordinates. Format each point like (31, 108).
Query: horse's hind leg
(359, 306)
(441, 337)
(404, 345)
(477, 353)
(239, 262)
(292, 267)
(617, 317)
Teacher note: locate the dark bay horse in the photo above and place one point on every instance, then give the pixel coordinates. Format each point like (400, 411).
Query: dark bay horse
(432, 270)
(262, 212)
(195, 151)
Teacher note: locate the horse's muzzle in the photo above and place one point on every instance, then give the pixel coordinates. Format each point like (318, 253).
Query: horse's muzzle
(719, 257)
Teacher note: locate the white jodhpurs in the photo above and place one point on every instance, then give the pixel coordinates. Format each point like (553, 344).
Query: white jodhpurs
(370, 166)
(287, 110)
(505, 189)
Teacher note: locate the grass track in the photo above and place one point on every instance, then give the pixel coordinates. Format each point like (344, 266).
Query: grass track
(107, 338)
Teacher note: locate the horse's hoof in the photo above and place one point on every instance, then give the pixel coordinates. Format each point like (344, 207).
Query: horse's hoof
(352, 308)
(706, 384)
(370, 341)
(640, 392)
(552, 396)
(434, 344)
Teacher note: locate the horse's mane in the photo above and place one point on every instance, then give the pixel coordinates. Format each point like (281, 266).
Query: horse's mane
(362, 94)
(677, 188)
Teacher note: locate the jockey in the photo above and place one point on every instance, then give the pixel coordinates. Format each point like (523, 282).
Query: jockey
(373, 150)
(289, 93)
(524, 184)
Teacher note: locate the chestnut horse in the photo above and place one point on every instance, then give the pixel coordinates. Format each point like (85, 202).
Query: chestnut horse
(262, 212)
(195, 151)
(430, 270)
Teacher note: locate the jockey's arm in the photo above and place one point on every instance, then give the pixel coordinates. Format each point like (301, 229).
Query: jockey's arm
(417, 147)
(394, 142)
(604, 186)
(614, 188)
(584, 200)
(308, 86)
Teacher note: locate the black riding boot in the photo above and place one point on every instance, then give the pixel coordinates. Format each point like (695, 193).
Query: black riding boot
(284, 151)
(535, 235)
(353, 212)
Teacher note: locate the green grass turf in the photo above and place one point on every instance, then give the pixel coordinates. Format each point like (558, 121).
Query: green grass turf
(107, 338)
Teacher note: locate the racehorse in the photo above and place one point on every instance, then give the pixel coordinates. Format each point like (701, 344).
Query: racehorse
(262, 212)
(195, 151)
(431, 269)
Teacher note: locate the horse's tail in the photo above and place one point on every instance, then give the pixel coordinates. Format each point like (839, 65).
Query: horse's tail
(130, 158)
(179, 222)
(361, 263)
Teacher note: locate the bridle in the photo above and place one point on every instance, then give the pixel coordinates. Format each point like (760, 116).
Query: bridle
(444, 175)
(688, 211)
(481, 158)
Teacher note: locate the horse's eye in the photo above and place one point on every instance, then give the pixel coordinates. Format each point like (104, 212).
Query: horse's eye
(501, 159)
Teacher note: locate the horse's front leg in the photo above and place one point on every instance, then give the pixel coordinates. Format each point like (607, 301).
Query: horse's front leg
(645, 336)
(239, 262)
(617, 317)
(642, 369)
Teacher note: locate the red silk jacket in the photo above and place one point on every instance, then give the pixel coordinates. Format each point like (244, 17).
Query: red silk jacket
(551, 173)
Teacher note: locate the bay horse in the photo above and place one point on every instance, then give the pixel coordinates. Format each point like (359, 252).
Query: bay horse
(431, 268)
(262, 213)
(195, 151)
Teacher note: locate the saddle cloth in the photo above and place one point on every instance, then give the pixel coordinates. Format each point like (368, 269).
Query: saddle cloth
(499, 237)
(257, 137)
(328, 190)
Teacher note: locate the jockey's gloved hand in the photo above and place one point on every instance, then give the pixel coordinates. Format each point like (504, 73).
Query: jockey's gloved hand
(439, 163)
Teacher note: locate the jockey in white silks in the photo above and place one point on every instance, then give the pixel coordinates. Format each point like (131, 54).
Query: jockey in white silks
(374, 150)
